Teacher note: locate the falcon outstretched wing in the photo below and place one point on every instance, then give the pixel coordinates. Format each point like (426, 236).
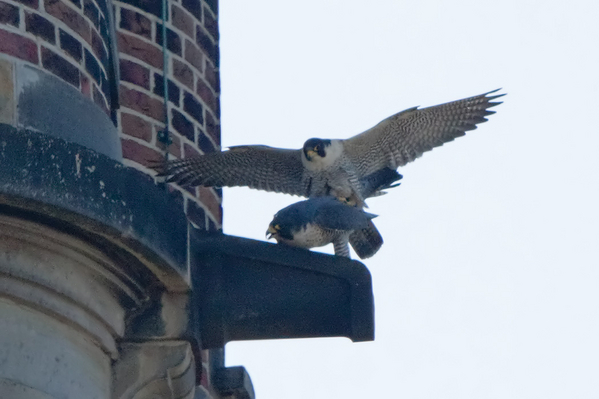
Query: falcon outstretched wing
(255, 166)
(405, 136)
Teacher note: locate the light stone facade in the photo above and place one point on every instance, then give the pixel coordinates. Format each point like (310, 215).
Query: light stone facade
(63, 310)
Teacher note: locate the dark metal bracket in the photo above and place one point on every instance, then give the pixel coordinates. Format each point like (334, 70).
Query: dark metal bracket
(247, 289)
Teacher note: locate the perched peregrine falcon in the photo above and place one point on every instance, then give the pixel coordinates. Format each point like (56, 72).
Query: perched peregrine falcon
(326, 167)
(316, 222)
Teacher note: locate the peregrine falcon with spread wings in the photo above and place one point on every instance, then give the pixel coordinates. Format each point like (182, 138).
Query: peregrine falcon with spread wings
(327, 167)
(338, 168)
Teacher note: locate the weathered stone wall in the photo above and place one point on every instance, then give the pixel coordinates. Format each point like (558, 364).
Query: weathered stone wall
(59, 325)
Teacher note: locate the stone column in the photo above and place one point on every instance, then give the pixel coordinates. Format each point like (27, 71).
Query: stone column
(97, 292)
(62, 308)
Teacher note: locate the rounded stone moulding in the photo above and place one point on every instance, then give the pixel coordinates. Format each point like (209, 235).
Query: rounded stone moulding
(62, 309)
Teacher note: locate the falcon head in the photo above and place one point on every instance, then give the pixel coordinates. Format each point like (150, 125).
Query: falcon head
(321, 154)
(278, 232)
(316, 148)
(290, 221)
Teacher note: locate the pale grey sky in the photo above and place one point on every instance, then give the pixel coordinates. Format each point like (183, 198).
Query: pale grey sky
(486, 286)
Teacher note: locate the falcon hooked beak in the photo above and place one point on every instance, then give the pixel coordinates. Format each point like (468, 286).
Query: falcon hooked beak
(310, 154)
(314, 152)
(272, 231)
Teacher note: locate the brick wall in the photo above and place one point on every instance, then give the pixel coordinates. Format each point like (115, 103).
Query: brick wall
(193, 99)
(89, 44)
(69, 39)
(193, 90)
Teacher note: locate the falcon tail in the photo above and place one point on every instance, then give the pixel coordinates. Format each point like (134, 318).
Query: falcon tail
(375, 183)
(366, 242)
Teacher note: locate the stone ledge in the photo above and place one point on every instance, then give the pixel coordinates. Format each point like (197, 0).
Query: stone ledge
(247, 290)
(89, 195)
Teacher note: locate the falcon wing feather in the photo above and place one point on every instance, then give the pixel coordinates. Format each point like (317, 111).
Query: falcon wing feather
(260, 167)
(405, 136)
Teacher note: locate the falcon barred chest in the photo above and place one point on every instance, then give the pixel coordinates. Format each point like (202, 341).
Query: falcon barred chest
(311, 235)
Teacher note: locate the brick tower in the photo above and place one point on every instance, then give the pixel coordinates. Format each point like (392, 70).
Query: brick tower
(91, 73)
(193, 89)
(114, 286)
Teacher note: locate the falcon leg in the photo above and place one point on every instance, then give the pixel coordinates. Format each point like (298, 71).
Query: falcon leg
(341, 247)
